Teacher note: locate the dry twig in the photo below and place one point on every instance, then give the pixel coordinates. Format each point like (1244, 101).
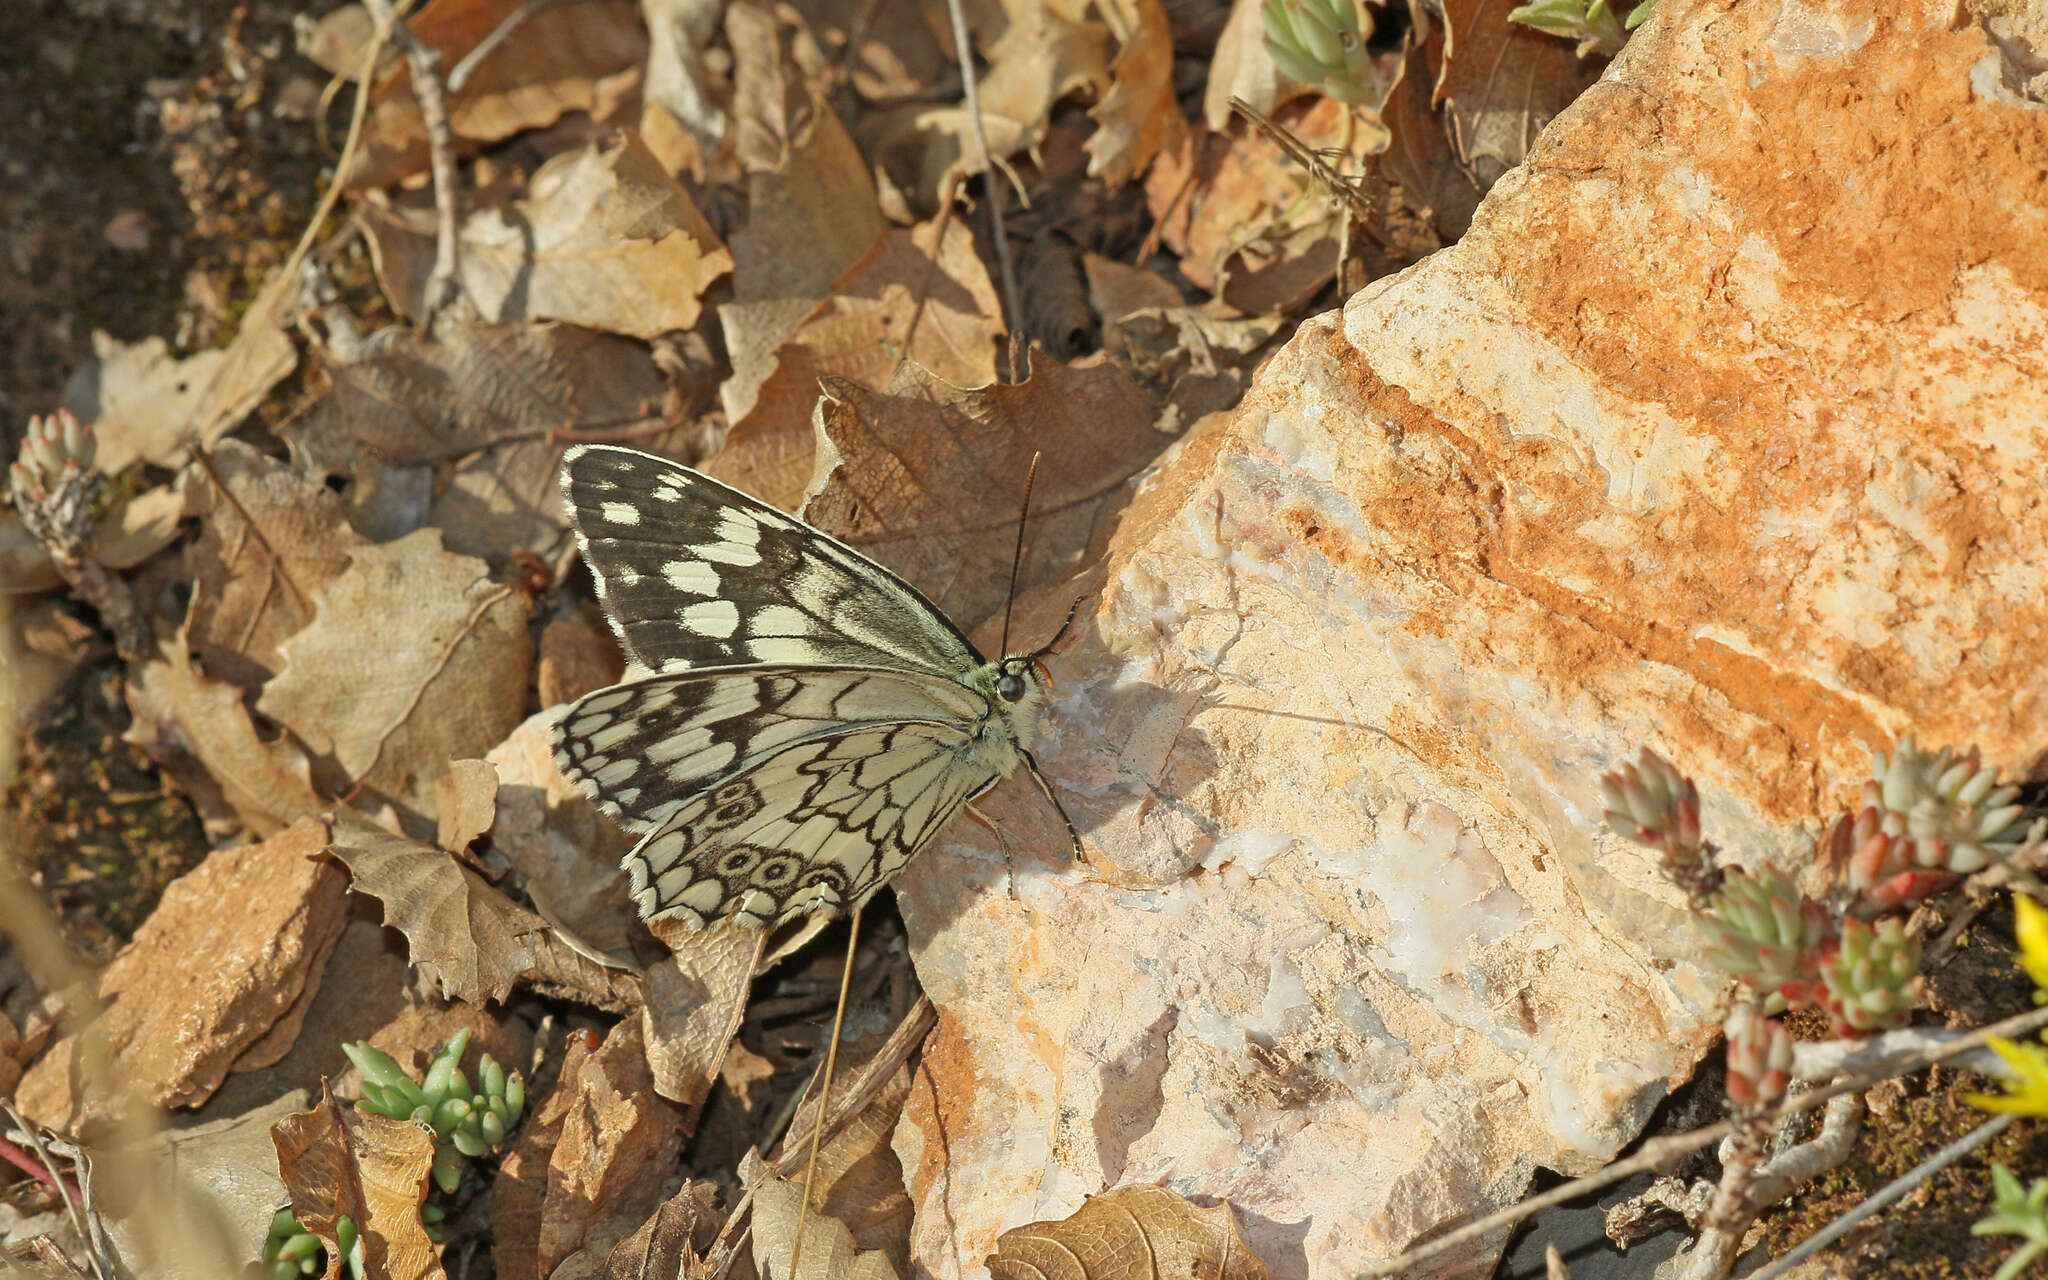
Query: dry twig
(1013, 312)
(443, 285)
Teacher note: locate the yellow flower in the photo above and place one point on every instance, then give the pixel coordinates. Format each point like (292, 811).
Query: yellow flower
(2033, 935)
(2027, 1093)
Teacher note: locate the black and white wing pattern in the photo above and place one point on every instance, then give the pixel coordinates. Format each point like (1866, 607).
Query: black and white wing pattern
(696, 573)
(819, 826)
(810, 720)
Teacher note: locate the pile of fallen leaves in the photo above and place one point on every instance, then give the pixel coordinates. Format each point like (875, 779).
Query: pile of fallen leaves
(793, 246)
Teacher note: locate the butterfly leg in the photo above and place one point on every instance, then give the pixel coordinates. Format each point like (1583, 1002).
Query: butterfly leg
(1073, 836)
(1002, 843)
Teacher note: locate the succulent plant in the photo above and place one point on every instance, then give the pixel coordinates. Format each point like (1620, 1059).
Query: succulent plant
(292, 1251)
(1318, 42)
(2017, 1211)
(1653, 804)
(467, 1121)
(53, 482)
(1871, 978)
(1759, 1058)
(1593, 23)
(1761, 929)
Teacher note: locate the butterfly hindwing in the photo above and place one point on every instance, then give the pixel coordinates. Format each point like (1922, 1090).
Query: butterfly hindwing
(694, 574)
(818, 826)
(643, 749)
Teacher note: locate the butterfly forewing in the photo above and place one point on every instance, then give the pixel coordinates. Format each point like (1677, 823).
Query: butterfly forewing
(810, 720)
(818, 826)
(644, 748)
(694, 573)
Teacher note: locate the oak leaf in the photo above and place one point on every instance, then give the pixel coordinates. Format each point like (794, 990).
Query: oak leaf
(338, 1162)
(929, 478)
(1131, 1233)
(471, 939)
(415, 656)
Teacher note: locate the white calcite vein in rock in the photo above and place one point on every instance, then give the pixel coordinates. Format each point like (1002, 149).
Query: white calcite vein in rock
(1721, 432)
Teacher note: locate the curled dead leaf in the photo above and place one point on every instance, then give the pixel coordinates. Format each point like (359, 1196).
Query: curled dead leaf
(589, 1166)
(441, 677)
(829, 1252)
(1131, 1233)
(809, 222)
(914, 299)
(198, 730)
(337, 1161)
(1140, 115)
(929, 478)
(471, 939)
(603, 238)
(491, 400)
(673, 1240)
(695, 1000)
(556, 61)
(268, 539)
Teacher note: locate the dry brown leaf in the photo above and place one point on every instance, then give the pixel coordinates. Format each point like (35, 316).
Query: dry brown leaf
(695, 1000)
(265, 546)
(338, 1161)
(588, 1168)
(1500, 82)
(808, 223)
(498, 392)
(472, 940)
(1197, 360)
(1140, 115)
(829, 1252)
(415, 657)
(770, 107)
(466, 804)
(1241, 68)
(172, 1028)
(1130, 1233)
(576, 658)
(1419, 157)
(213, 1185)
(197, 730)
(859, 1179)
(884, 61)
(566, 853)
(680, 86)
(1249, 223)
(603, 238)
(555, 62)
(909, 277)
(145, 405)
(673, 1240)
(929, 479)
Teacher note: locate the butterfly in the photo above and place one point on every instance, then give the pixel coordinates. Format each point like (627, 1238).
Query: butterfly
(809, 720)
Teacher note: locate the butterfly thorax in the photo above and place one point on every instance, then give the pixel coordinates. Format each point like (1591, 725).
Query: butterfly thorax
(1015, 693)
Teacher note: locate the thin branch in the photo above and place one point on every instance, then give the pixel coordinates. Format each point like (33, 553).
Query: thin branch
(458, 79)
(1013, 317)
(1658, 1152)
(1890, 1195)
(1748, 1187)
(443, 283)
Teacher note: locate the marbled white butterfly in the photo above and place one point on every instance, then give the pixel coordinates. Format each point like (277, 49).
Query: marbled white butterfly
(810, 721)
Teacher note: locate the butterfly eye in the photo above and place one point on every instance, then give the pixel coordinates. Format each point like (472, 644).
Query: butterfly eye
(1010, 687)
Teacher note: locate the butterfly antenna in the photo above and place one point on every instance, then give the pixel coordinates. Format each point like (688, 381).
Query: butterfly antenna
(1017, 560)
(796, 1253)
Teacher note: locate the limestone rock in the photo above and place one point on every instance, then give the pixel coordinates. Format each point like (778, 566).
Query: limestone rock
(1720, 432)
